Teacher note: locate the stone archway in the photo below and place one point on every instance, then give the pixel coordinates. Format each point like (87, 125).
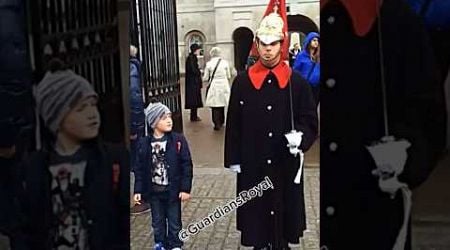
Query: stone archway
(301, 25)
(243, 39)
(195, 36)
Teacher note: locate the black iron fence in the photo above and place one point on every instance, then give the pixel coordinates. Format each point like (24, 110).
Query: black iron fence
(154, 32)
(83, 33)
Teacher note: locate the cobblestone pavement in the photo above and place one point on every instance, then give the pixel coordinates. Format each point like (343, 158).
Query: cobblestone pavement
(431, 210)
(213, 187)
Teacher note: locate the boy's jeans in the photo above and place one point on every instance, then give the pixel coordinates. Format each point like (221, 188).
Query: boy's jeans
(166, 219)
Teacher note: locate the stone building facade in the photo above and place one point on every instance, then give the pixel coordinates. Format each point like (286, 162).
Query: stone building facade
(231, 24)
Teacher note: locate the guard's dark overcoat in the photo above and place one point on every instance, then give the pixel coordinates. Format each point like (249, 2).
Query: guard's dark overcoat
(355, 214)
(256, 124)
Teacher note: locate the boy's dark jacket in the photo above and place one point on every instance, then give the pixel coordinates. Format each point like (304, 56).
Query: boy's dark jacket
(107, 200)
(178, 158)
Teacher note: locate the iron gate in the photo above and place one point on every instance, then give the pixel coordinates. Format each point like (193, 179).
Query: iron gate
(154, 32)
(84, 34)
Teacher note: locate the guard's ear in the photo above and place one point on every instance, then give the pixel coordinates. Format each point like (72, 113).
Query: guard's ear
(257, 42)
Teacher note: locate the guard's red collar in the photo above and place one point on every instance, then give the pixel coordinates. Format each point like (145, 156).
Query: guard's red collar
(362, 12)
(258, 72)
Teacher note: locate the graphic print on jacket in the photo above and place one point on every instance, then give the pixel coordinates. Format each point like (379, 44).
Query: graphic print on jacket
(70, 223)
(160, 168)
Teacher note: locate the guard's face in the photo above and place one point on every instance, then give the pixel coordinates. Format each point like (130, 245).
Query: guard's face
(315, 43)
(83, 121)
(269, 53)
(165, 124)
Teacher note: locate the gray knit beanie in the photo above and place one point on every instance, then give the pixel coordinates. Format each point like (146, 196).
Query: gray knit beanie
(154, 112)
(57, 93)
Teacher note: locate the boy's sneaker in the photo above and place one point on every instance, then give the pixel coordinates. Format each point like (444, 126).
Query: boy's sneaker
(159, 246)
(140, 209)
(176, 248)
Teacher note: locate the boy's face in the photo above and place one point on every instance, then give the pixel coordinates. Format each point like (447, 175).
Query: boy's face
(83, 120)
(164, 124)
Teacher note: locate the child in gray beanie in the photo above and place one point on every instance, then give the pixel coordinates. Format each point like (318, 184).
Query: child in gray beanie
(57, 94)
(77, 180)
(154, 112)
(165, 157)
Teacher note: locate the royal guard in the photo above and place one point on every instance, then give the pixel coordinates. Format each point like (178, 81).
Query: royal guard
(270, 103)
(382, 122)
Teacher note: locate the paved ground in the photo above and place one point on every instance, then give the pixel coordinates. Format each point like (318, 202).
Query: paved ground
(431, 210)
(214, 186)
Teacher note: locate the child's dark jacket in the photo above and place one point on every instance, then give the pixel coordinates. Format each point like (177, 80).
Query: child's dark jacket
(178, 158)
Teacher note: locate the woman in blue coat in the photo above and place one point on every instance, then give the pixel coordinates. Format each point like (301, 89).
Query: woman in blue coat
(308, 63)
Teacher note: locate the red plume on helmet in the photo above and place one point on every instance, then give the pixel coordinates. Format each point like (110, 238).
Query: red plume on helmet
(278, 7)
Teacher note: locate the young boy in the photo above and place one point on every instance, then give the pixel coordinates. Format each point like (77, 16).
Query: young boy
(76, 186)
(164, 173)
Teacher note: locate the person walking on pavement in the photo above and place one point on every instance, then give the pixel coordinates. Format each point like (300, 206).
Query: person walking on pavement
(137, 118)
(308, 63)
(193, 83)
(217, 73)
(255, 144)
(164, 174)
